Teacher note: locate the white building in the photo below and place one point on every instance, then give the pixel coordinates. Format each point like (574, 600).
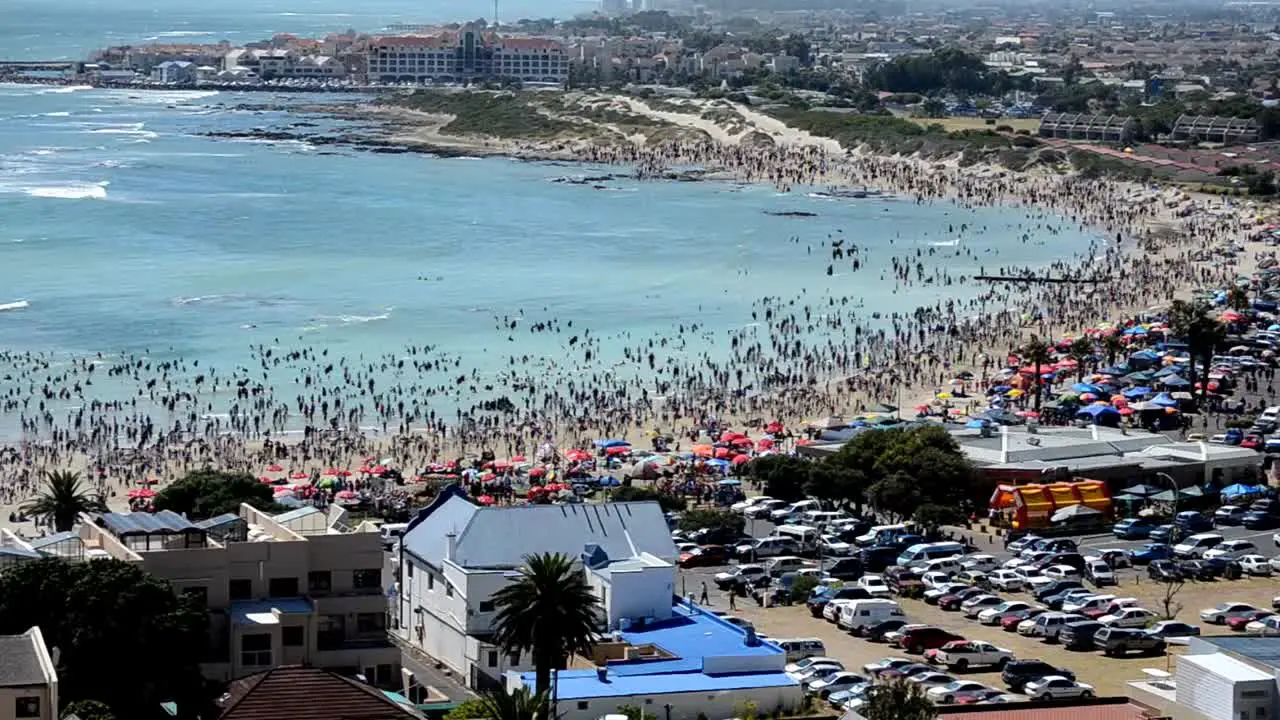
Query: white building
(28, 679)
(456, 555)
(1218, 678)
(468, 55)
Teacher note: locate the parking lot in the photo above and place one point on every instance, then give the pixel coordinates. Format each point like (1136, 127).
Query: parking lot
(1108, 675)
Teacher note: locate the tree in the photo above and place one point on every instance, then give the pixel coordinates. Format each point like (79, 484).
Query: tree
(1081, 351)
(632, 493)
(549, 611)
(899, 700)
(796, 46)
(1168, 604)
(902, 469)
(1112, 346)
(782, 476)
(1202, 333)
(897, 494)
(209, 493)
(89, 710)
(803, 587)
(518, 705)
(1238, 298)
(841, 486)
(62, 501)
(712, 519)
(932, 516)
(125, 638)
(1036, 352)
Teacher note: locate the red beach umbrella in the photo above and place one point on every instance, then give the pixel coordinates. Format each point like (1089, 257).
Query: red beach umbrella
(741, 459)
(519, 459)
(576, 455)
(299, 475)
(274, 468)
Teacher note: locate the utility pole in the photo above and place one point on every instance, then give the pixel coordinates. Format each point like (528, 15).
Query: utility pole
(495, 13)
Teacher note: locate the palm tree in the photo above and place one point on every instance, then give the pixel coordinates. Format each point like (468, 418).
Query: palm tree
(549, 611)
(1081, 350)
(518, 705)
(1202, 333)
(1036, 352)
(899, 700)
(62, 501)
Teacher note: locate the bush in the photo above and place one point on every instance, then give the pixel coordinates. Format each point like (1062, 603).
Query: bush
(712, 519)
(1004, 128)
(631, 493)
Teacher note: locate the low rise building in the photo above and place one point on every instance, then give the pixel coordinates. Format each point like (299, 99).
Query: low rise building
(296, 588)
(470, 54)
(455, 555)
(1080, 126)
(28, 678)
(684, 664)
(1218, 678)
(1206, 128)
(307, 693)
(174, 72)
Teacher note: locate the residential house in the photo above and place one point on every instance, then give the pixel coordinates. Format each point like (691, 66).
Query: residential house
(1081, 126)
(28, 678)
(1206, 128)
(307, 693)
(456, 555)
(295, 588)
(174, 72)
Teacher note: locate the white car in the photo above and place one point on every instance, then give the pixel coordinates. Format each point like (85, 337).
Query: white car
(1275, 563)
(684, 547)
(1130, 617)
(1006, 580)
(944, 589)
(931, 679)
(1054, 687)
(1255, 565)
(976, 604)
(1275, 539)
(818, 671)
(1088, 602)
(1117, 558)
(1231, 550)
(831, 611)
(874, 584)
(805, 664)
(1035, 582)
(740, 507)
(1061, 572)
(993, 615)
(1222, 612)
(836, 682)
(743, 572)
(980, 563)
(889, 663)
(935, 579)
(832, 545)
(1266, 627)
(1017, 562)
(958, 690)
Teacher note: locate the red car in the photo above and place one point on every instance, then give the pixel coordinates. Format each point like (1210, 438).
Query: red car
(1237, 623)
(952, 602)
(926, 638)
(1010, 624)
(705, 556)
(1253, 442)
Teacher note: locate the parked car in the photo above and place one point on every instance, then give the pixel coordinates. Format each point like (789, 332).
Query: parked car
(1228, 515)
(835, 683)
(705, 556)
(1087, 602)
(1048, 625)
(1166, 629)
(1011, 623)
(953, 601)
(874, 584)
(961, 655)
(958, 690)
(1197, 546)
(1099, 573)
(1220, 613)
(932, 595)
(1231, 550)
(877, 632)
(1056, 687)
(1256, 520)
(1061, 572)
(1164, 534)
(1110, 608)
(1164, 571)
(845, 569)
(1018, 673)
(802, 665)
(1199, 570)
(1005, 580)
(1132, 529)
(819, 600)
(1255, 565)
(1079, 635)
(927, 638)
(1117, 641)
(993, 615)
(743, 576)
(891, 663)
(976, 604)
(1266, 627)
(1017, 546)
(979, 563)
(1149, 552)
(932, 679)
(1240, 622)
(1130, 617)
(1190, 521)
(1056, 587)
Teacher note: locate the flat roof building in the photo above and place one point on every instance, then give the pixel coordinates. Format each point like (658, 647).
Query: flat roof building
(1215, 129)
(1218, 678)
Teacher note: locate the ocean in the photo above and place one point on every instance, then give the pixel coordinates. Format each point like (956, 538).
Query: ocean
(124, 231)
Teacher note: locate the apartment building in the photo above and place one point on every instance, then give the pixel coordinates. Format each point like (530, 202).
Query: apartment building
(467, 55)
(28, 679)
(455, 555)
(300, 588)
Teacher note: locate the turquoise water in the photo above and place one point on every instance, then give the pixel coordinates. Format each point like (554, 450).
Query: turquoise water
(123, 231)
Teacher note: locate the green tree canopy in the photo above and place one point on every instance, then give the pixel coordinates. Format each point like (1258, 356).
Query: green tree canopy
(89, 710)
(209, 493)
(634, 493)
(1203, 334)
(905, 468)
(782, 476)
(124, 637)
(899, 700)
(712, 518)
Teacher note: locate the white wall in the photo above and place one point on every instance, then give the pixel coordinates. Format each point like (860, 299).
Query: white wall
(641, 593)
(687, 706)
(9, 696)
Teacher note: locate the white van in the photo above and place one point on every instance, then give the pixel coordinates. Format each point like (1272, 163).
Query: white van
(919, 553)
(801, 648)
(392, 532)
(865, 613)
(1195, 546)
(870, 536)
(948, 566)
(821, 518)
(803, 535)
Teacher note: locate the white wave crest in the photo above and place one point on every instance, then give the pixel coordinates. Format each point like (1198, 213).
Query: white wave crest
(97, 191)
(946, 243)
(63, 89)
(16, 305)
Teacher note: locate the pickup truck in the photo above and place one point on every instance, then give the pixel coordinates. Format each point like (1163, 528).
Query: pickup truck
(1118, 641)
(961, 655)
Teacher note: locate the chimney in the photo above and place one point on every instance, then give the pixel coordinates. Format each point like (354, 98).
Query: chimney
(602, 673)
(451, 546)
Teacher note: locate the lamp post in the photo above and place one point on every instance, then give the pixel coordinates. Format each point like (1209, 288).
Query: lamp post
(1173, 487)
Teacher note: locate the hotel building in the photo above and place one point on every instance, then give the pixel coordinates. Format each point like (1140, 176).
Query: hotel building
(466, 55)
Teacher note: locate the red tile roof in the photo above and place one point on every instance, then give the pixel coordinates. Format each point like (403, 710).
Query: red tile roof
(304, 693)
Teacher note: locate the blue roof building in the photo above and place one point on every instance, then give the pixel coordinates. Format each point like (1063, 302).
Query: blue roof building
(688, 664)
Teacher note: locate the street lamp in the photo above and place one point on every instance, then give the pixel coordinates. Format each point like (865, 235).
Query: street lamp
(1173, 487)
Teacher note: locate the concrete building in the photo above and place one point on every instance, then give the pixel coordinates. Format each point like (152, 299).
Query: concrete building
(470, 54)
(456, 555)
(174, 72)
(684, 664)
(297, 588)
(1225, 130)
(28, 679)
(1079, 126)
(1218, 678)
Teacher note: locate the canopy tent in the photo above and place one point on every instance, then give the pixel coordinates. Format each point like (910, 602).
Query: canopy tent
(1191, 491)
(1100, 415)
(1141, 490)
(1137, 392)
(1175, 381)
(1240, 489)
(1164, 400)
(1075, 512)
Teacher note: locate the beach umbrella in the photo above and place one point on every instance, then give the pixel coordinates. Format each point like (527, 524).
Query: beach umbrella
(773, 427)
(537, 472)
(379, 470)
(364, 470)
(299, 475)
(283, 491)
(345, 495)
(1088, 397)
(610, 443)
(576, 455)
(804, 441)
(344, 473)
(740, 459)
(721, 453)
(702, 451)
(1141, 490)
(943, 395)
(266, 479)
(1126, 411)
(274, 468)
(764, 444)
(616, 450)
(1090, 388)
(331, 472)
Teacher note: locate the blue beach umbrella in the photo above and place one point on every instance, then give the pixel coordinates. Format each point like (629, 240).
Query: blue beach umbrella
(1164, 400)
(1137, 392)
(1083, 388)
(610, 443)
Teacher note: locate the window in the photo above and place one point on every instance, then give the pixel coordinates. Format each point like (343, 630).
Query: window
(321, 581)
(366, 579)
(486, 606)
(448, 590)
(431, 581)
(583, 704)
(240, 589)
(26, 707)
(493, 658)
(282, 587)
(198, 594)
(371, 623)
(513, 659)
(255, 650)
(291, 636)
